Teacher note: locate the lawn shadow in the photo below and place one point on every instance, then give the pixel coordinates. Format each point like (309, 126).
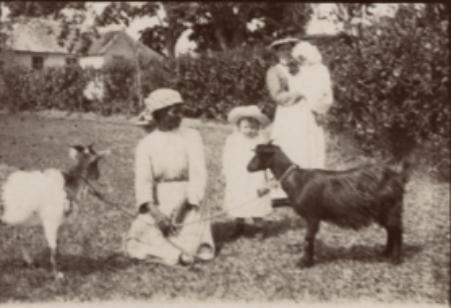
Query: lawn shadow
(362, 253)
(79, 264)
(224, 231)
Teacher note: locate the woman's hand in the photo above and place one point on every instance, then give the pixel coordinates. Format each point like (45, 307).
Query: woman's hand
(262, 191)
(163, 222)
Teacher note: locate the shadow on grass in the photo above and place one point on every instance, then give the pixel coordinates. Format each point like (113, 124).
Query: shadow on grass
(77, 264)
(224, 231)
(361, 253)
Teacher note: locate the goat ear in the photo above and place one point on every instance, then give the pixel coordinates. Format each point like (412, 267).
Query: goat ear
(271, 141)
(90, 148)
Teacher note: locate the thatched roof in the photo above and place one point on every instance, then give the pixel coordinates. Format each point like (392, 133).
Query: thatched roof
(101, 44)
(42, 35)
(35, 35)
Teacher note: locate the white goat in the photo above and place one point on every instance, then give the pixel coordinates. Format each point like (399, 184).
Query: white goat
(35, 197)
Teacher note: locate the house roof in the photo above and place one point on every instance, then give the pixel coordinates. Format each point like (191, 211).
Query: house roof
(41, 35)
(35, 35)
(101, 45)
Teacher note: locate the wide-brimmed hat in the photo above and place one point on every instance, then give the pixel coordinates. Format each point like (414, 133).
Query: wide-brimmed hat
(162, 98)
(156, 100)
(283, 41)
(250, 111)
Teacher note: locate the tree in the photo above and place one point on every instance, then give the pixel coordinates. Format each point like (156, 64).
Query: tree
(215, 25)
(53, 10)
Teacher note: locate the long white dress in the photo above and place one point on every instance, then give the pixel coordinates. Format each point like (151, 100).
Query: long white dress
(241, 199)
(169, 171)
(295, 129)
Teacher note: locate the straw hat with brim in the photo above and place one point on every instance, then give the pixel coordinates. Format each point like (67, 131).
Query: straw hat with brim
(162, 98)
(158, 99)
(279, 42)
(252, 111)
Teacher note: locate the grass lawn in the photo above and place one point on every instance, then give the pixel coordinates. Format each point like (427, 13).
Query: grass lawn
(348, 266)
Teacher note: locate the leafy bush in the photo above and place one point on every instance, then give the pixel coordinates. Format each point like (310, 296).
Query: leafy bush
(390, 83)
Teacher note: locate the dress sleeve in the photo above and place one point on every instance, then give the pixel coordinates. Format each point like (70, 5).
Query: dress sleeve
(324, 97)
(143, 175)
(197, 168)
(277, 87)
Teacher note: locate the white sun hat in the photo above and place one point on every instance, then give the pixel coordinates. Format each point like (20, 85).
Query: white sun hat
(162, 98)
(283, 41)
(156, 100)
(251, 111)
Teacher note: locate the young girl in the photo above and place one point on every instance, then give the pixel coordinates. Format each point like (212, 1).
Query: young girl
(246, 194)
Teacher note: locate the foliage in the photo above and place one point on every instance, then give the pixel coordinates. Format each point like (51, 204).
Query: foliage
(57, 88)
(215, 25)
(391, 83)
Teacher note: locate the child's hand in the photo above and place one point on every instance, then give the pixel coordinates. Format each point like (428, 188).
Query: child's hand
(262, 191)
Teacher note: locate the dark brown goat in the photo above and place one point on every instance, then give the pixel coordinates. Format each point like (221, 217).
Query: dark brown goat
(351, 199)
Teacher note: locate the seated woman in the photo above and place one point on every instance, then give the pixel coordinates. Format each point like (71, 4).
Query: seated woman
(170, 181)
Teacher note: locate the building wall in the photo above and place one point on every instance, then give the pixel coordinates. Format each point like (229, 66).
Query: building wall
(92, 61)
(25, 59)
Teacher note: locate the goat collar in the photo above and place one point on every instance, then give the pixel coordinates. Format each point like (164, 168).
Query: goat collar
(288, 172)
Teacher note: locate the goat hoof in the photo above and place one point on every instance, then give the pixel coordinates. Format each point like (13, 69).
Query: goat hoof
(396, 260)
(386, 253)
(306, 262)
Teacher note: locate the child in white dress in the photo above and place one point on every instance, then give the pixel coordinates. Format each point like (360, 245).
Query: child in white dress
(246, 194)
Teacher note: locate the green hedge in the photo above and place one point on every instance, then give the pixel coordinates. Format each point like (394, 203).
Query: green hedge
(390, 83)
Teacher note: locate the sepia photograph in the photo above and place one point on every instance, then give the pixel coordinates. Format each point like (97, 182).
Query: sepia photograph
(224, 153)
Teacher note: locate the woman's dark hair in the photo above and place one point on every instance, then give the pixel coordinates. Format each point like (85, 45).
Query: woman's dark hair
(270, 55)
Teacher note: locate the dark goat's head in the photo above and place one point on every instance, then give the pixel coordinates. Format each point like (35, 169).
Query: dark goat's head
(87, 160)
(263, 158)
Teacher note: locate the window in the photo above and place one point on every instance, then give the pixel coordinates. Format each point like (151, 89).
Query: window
(37, 62)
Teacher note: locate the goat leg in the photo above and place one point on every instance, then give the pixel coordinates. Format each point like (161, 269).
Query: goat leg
(396, 257)
(389, 246)
(312, 229)
(51, 233)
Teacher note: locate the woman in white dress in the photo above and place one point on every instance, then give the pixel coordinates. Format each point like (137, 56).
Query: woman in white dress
(170, 182)
(300, 85)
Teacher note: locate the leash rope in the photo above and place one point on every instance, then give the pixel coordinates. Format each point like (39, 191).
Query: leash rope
(179, 226)
(100, 196)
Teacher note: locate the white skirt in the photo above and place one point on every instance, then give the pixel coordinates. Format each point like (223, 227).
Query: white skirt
(300, 138)
(145, 239)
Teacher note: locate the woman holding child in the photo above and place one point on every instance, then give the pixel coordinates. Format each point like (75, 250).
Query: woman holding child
(300, 86)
